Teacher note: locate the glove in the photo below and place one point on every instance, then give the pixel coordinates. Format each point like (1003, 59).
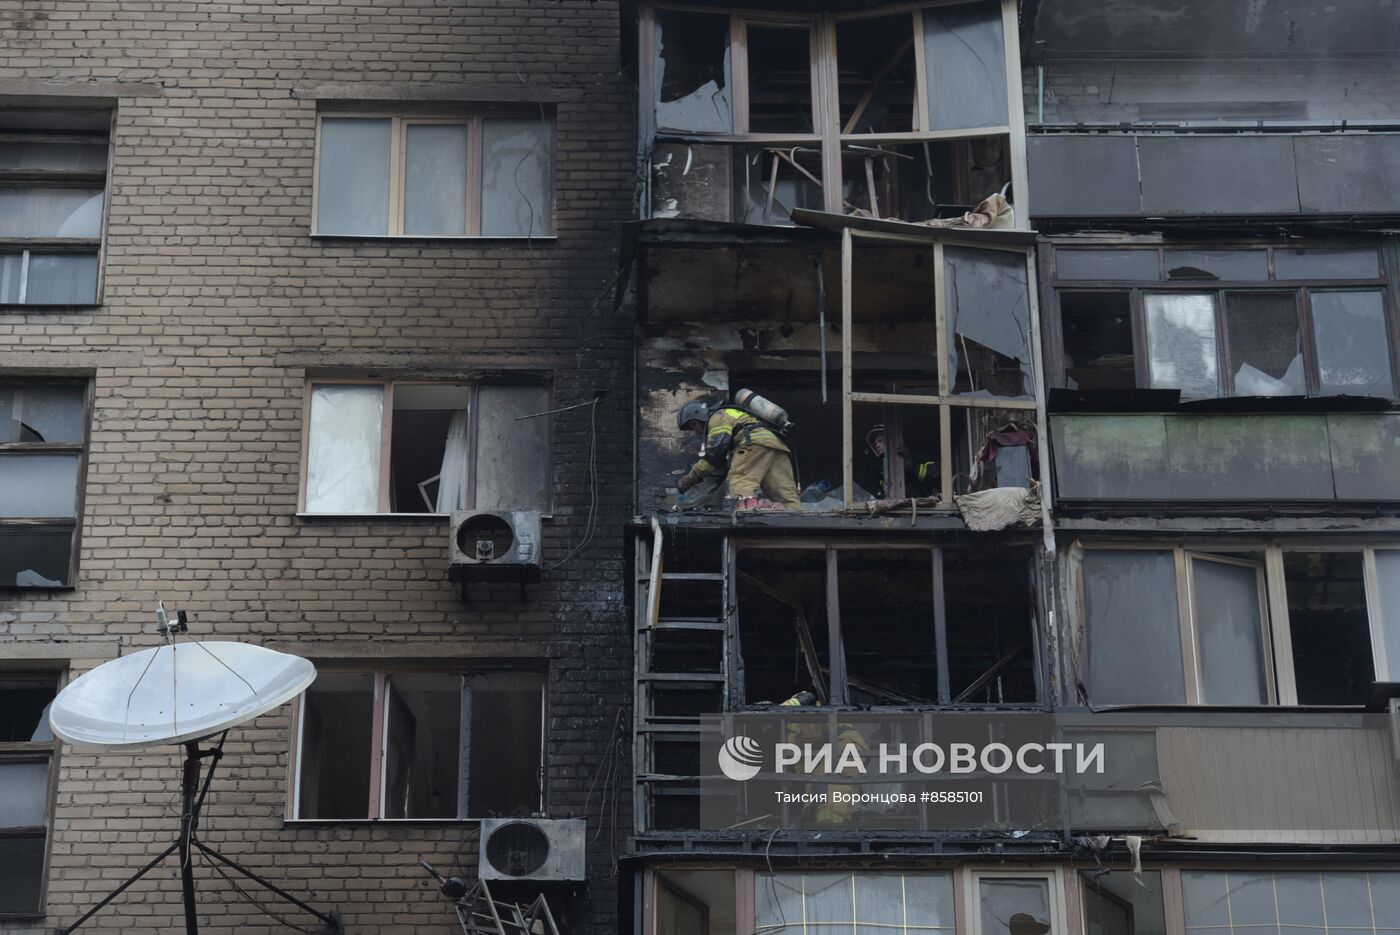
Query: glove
(685, 483)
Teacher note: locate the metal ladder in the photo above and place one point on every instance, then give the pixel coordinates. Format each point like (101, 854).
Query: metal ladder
(651, 728)
(482, 914)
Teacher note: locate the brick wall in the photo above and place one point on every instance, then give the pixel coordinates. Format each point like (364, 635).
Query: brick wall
(217, 303)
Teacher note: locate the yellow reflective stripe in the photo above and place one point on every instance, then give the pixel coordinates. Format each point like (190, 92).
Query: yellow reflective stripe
(923, 470)
(722, 430)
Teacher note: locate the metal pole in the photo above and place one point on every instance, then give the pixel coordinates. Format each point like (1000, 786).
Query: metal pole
(331, 920)
(61, 930)
(190, 789)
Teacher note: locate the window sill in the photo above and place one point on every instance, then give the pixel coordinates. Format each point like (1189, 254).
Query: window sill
(436, 238)
(18, 307)
(367, 822)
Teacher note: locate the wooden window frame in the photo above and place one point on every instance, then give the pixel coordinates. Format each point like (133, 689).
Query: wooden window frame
(1276, 640)
(378, 766)
(837, 686)
(1054, 287)
(32, 752)
(825, 94)
(399, 122)
(946, 400)
(82, 449)
(386, 438)
(61, 178)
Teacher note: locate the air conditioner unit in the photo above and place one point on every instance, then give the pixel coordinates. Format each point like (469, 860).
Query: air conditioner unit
(532, 849)
(495, 546)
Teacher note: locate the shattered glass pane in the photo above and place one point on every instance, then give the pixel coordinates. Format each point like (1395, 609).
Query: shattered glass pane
(966, 62)
(516, 189)
(39, 485)
(50, 212)
(1227, 265)
(988, 314)
(1230, 629)
(34, 557)
(692, 72)
(1181, 343)
(352, 194)
(1134, 635)
(38, 413)
(342, 460)
(1325, 264)
(1352, 348)
(1266, 345)
(1097, 328)
(435, 179)
(1014, 905)
(512, 470)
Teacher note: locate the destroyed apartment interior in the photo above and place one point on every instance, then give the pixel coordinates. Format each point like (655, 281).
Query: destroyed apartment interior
(519, 400)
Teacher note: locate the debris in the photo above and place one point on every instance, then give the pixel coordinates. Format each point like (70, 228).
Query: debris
(1000, 507)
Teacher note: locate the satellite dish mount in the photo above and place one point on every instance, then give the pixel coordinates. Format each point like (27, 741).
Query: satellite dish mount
(216, 696)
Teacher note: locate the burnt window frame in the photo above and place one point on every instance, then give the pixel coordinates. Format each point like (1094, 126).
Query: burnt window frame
(838, 691)
(830, 136)
(473, 387)
(79, 179)
(1278, 663)
(83, 448)
(32, 752)
(473, 118)
(1053, 287)
(380, 677)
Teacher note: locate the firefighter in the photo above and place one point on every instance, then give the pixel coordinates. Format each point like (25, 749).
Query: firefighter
(759, 461)
(920, 471)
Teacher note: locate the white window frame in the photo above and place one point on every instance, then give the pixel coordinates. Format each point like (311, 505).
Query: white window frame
(399, 122)
(1055, 884)
(380, 744)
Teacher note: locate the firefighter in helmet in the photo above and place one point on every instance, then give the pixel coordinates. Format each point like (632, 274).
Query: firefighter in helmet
(760, 463)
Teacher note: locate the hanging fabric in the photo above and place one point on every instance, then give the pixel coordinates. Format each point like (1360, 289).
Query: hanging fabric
(452, 479)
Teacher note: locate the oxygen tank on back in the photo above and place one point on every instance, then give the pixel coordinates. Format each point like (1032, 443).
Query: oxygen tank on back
(767, 411)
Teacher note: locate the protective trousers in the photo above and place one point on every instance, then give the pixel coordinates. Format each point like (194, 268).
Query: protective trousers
(757, 467)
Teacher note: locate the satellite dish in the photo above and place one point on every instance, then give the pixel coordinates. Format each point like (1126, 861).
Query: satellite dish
(177, 692)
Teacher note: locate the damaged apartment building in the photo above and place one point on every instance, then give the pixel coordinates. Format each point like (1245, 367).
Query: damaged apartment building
(1086, 318)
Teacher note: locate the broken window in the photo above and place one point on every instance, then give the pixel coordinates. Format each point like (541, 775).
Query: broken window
(816, 903)
(448, 446)
(1119, 902)
(877, 75)
(692, 72)
(921, 181)
(1329, 625)
(26, 762)
(1098, 340)
(779, 62)
(1266, 344)
(966, 56)
(1352, 348)
(896, 635)
(988, 314)
(414, 176)
(770, 181)
(1237, 902)
(1280, 341)
(1181, 343)
(43, 437)
(1227, 631)
(407, 745)
(1009, 905)
(51, 233)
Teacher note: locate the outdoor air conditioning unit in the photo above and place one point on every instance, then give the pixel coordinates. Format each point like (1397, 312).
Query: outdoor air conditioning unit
(541, 849)
(495, 546)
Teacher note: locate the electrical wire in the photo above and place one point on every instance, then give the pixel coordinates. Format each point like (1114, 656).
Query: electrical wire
(259, 906)
(590, 527)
